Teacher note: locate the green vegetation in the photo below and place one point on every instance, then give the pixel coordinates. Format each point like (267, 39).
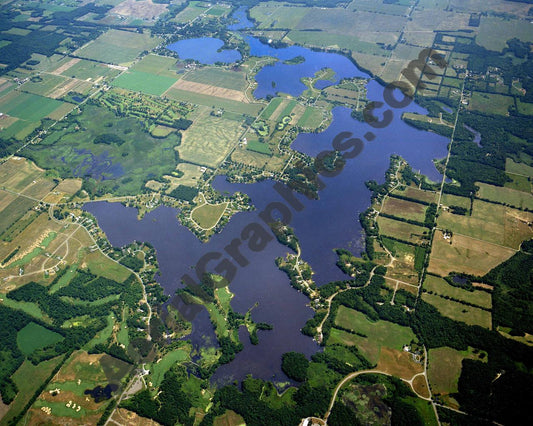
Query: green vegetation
(139, 81)
(35, 336)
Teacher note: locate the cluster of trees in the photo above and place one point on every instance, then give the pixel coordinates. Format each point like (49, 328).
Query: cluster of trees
(109, 139)
(183, 192)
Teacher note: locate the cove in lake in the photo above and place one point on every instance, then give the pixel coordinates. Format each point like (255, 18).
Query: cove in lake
(323, 225)
(205, 50)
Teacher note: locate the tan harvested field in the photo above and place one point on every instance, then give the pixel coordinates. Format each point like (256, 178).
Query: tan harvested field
(145, 9)
(69, 186)
(129, 418)
(18, 173)
(420, 386)
(206, 89)
(191, 175)
(398, 363)
(465, 254)
(404, 209)
(63, 110)
(66, 66)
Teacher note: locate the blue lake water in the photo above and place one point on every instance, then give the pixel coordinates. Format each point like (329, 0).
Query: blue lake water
(242, 18)
(323, 225)
(205, 50)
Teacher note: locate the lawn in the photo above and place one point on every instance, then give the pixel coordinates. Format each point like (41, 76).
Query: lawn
(209, 140)
(35, 336)
(118, 47)
(459, 312)
(140, 81)
(102, 266)
(379, 333)
(441, 287)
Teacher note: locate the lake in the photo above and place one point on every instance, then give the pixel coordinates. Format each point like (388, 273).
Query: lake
(205, 50)
(323, 225)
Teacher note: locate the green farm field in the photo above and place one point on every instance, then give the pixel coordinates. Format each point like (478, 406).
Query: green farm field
(157, 65)
(118, 47)
(509, 196)
(379, 333)
(402, 230)
(28, 378)
(490, 103)
(209, 140)
(89, 70)
(139, 81)
(218, 77)
(445, 368)
(34, 336)
(518, 168)
(193, 10)
(459, 311)
(208, 215)
(441, 287)
(27, 106)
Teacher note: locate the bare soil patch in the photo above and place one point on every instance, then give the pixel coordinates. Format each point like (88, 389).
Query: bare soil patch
(206, 89)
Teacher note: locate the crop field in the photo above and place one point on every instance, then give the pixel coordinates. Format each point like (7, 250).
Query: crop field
(157, 65)
(87, 70)
(272, 163)
(209, 140)
(404, 209)
(145, 9)
(402, 230)
(380, 333)
(418, 194)
(489, 222)
(445, 367)
(212, 101)
(27, 106)
(274, 15)
(441, 287)
(209, 90)
(465, 254)
(191, 12)
(509, 196)
(494, 31)
(34, 336)
(234, 80)
(454, 200)
(490, 103)
(270, 108)
(139, 81)
(459, 311)
(45, 85)
(28, 378)
(311, 118)
(14, 211)
(518, 183)
(117, 47)
(260, 147)
(75, 153)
